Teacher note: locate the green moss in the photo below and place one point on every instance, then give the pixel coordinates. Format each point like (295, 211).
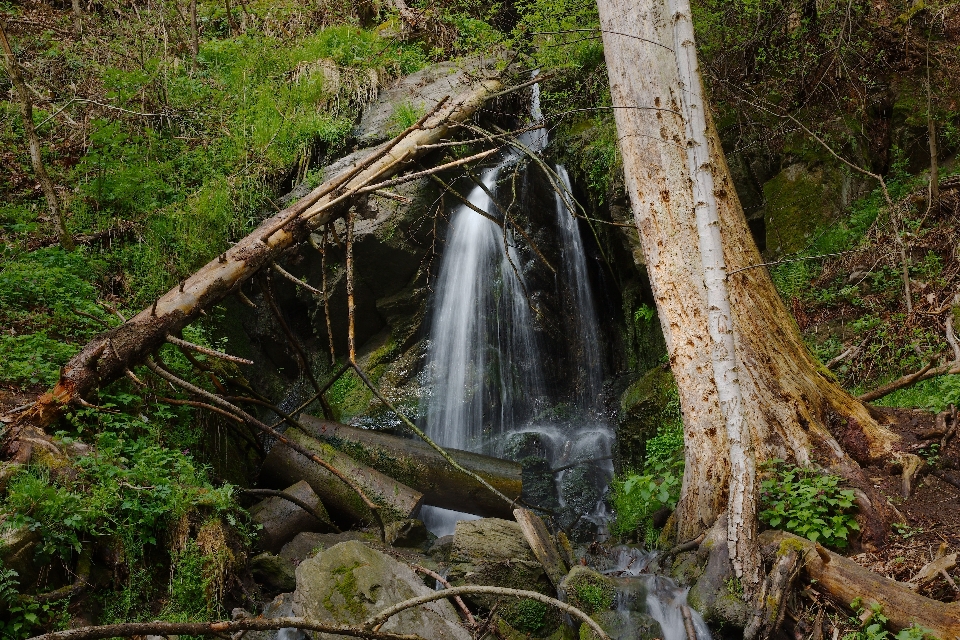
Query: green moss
(346, 587)
(526, 615)
(798, 201)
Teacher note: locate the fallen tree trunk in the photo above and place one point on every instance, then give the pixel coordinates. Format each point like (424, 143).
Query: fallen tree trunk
(109, 355)
(284, 466)
(418, 465)
(843, 581)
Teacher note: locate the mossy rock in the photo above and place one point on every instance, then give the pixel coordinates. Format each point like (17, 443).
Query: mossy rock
(350, 582)
(589, 591)
(799, 200)
(642, 410)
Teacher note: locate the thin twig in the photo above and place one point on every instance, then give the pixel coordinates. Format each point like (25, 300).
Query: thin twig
(294, 279)
(206, 350)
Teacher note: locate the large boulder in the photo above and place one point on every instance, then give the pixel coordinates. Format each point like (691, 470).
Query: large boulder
(493, 552)
(282, 520)
(351, 582)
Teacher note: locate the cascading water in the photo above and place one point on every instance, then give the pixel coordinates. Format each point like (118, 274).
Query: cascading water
(575, 285)
(485, 381)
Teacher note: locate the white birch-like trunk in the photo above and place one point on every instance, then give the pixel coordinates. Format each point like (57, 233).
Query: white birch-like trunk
(789, 406)
(742, 502)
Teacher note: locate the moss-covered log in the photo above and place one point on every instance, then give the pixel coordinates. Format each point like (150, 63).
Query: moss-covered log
(418, 465)
(284, 466)
(844, 581)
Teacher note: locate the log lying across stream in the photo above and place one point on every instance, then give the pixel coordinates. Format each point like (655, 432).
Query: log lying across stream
(419, 466)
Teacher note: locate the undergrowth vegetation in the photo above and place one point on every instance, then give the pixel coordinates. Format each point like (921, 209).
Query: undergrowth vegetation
(637, 494)
(808, 503)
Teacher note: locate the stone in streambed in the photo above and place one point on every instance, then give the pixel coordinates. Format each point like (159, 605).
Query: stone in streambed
(406, 533)
(282, 520)
(273, 571)
(350, 582)
(494, 552)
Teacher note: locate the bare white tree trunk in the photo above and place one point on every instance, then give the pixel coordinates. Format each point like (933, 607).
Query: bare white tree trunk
(697, 246)
(742, 505)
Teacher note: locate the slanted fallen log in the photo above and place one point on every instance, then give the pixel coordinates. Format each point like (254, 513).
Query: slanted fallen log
(109, 355)
(843, 581)
(542, 544)
(284, 466)
(418, 465)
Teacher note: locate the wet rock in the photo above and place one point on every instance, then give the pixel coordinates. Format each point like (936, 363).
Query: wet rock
(441, 548)
(717, 594)
(624, 624)
(273, 571)
(279, 607)
(406, 533)
(539, 487)
(349, 582)
(282, 520)
(490, 551)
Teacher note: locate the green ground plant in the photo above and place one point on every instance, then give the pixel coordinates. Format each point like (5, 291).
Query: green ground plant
(875, 627)
(806, 502)
(636, 496)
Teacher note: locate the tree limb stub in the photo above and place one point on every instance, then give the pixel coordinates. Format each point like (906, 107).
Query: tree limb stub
(134, 340)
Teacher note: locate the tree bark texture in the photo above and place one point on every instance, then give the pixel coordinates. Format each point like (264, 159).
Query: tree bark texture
(418, 465)
(26, 111)
(794, 409)
(284, 466)
(110, 354)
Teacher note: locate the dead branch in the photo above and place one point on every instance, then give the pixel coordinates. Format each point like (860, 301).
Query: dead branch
(294, 279)
(457, 599)
(295, 500)
(213, 353)
(129, 629)
(378, 620)
(843, 581)
(26, 111)
(134, 340)
(911, 466)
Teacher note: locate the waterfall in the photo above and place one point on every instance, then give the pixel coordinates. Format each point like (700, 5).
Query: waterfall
(483, 362)
(586, 365)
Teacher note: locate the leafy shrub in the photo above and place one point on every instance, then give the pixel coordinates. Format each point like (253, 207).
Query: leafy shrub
(637, 496)
(808, 503)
